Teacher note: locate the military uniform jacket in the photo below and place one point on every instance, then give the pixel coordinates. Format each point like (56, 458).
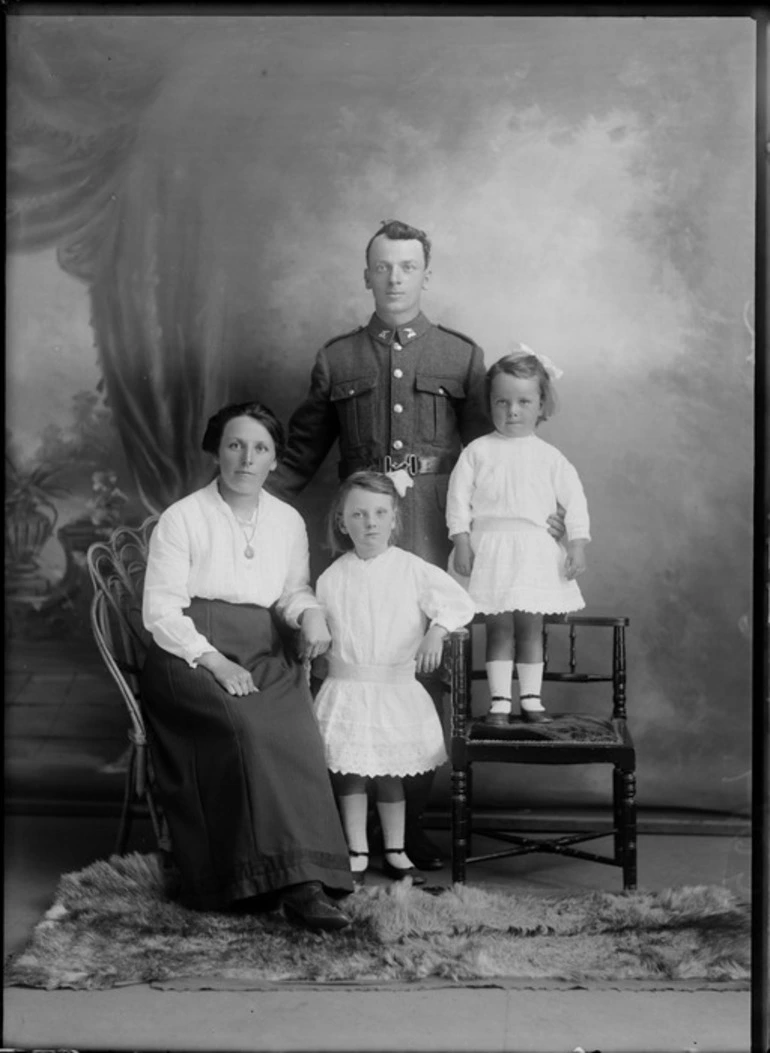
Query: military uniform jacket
(379, 391)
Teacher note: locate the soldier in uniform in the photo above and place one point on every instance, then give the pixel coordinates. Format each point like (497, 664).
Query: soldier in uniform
(399, 394)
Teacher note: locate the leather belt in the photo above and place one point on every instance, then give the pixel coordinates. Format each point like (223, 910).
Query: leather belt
(418, 464)
(414, 463)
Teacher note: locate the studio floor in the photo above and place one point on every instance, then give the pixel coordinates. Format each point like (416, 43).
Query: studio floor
(60, 763)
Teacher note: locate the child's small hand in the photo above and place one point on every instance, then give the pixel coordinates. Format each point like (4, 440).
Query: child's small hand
(576, 559)
(431, 650)
(463, 554)
(315, 638)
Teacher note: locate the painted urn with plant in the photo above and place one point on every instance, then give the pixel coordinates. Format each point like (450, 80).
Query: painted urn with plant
(30, 520)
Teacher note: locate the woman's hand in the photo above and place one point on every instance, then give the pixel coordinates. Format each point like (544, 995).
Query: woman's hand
(431, 650)
(314, 636)
(556, 527)
(576, 558)
(232, 677)
(463, 554)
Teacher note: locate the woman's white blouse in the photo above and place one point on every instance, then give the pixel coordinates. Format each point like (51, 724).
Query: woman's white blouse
(197, 550)
(520, 478)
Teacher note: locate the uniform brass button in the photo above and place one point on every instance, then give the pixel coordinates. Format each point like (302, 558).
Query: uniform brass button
(398, 373)
(397, 347)
(398, 445)
(352, 391)
(398, 408)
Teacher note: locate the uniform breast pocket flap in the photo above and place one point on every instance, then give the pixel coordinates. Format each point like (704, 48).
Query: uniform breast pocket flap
(349, 389)
(448, 387)
(436, 411)
(356, 407)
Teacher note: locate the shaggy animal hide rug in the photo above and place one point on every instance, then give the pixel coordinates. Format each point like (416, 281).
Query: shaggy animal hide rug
(112, 924)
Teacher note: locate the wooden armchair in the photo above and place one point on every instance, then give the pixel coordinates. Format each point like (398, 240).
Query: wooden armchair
(571, 738)
(117, 567)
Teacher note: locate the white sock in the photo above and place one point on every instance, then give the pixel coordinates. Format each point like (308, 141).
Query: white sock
(530, 683)
(353, 808)
(392, 817)
(499, 674)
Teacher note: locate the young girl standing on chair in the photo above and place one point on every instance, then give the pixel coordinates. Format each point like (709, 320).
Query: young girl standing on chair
(388, 613)
(501, 492)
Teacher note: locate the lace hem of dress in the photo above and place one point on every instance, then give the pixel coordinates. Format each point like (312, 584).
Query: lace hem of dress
(530, 604)
(400, 773)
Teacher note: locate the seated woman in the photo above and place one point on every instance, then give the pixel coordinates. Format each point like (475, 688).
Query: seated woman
(236, 751)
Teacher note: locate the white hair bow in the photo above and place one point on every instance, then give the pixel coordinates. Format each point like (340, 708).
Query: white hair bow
(551, 369)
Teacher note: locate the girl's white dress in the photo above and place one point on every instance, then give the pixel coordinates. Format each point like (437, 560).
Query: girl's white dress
(375, 717)
(502, 491)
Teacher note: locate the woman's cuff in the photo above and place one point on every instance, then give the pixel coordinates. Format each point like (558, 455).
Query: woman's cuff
(194, 658)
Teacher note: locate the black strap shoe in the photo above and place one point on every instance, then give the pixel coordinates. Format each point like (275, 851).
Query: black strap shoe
(498, 720)
(534, 716)
(359, 876)
(400, 873)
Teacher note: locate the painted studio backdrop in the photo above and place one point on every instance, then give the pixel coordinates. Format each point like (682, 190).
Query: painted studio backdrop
(189, 202)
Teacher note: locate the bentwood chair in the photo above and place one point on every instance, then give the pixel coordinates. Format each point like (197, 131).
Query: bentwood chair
(117, 568)
(572, 738)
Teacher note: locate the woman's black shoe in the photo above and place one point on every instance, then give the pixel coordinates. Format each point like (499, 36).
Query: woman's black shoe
(306, 904)
(400, 873)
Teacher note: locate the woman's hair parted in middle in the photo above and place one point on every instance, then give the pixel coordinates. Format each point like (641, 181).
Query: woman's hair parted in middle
(527, 366)
(212, 437)
(375, 483)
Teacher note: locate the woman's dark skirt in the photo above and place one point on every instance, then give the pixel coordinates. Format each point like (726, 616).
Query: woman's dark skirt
(242, 779)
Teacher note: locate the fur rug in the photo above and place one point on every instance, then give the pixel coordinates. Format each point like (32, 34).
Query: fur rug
(111, 924)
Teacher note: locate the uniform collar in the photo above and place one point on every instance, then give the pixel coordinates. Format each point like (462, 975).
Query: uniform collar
(403, 335)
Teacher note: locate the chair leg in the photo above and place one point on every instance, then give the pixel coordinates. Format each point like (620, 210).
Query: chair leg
(629, 829)
(459, 823)
(617, 813)
(469, 812)
(124, 829)
(157, 820)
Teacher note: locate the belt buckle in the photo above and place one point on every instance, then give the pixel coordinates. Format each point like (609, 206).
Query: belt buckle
(410, 463)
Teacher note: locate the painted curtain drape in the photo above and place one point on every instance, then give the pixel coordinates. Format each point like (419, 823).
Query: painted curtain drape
(84, 174)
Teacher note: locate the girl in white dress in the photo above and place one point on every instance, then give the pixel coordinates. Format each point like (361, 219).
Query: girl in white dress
(388, 612)
(502, 490)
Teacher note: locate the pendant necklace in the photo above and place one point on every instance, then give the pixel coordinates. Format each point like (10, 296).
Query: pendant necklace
(252, 522)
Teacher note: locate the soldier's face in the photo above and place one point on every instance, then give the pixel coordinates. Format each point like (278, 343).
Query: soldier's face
(396, 274)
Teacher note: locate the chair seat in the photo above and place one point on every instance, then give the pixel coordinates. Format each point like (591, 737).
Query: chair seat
(564, 727)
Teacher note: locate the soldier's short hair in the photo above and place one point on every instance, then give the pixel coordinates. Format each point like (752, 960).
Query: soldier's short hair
(398, 231)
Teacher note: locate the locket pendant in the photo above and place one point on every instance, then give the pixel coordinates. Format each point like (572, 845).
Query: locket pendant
(248, 552)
